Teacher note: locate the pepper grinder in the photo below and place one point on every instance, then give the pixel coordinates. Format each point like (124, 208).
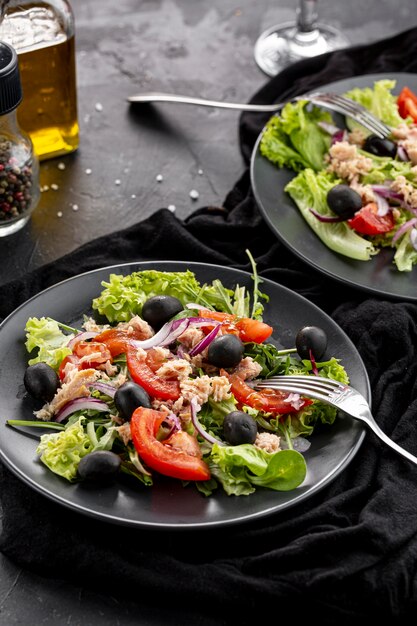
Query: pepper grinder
(19, 167)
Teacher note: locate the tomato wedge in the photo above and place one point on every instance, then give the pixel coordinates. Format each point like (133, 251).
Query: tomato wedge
(142, 374)
(268, 401)
(176, 456)
(249, 330)
(407, 104)
(116, 340)
(366, 221)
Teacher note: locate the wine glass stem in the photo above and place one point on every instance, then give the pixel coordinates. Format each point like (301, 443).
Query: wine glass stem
(307, 16)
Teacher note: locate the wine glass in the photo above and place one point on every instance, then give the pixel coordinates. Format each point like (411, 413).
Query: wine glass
(303, 38)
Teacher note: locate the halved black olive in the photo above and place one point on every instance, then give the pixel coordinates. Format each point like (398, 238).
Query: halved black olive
(311, 340)
(380, 147)
(41, 381)
(239, 427)
(129, 397)
(344, 201)
(99, 466)
(158, 310)
(225, 351)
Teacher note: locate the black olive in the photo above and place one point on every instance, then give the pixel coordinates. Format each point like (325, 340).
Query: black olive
(239, 427)
(129, 397)
(41, 381)
(380, 147)
(99, 466)
(344, 201)
(311, 338)
(160, 309)
(225, 351)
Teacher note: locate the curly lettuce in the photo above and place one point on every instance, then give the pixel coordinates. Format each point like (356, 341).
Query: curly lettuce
(293, 139)
(61, 452)
(45, 335)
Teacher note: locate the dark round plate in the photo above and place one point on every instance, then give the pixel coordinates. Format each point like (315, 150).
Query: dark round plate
(379, 275)
(168, 504)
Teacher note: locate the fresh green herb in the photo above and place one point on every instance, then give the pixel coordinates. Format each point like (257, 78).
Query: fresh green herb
(36, 424)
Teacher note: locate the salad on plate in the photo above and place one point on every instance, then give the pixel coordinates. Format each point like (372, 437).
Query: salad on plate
(356, 191)
(160, 382)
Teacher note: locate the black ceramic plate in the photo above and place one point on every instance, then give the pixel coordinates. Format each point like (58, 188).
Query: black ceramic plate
(379, 275)
(168, 504)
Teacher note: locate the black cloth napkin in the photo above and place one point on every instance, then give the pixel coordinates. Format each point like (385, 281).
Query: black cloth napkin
(347, 553)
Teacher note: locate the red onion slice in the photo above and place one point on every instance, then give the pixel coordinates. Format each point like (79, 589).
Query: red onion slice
(80, 404)
(413, 238)
(340, 135)
(81, 337)
(404, 228)
(206, 341)
(386, 192)
(171, 331)
(194, 410)
(326, 218)
(109, 390)
(174, 424)
(402, 154)
(382, 205)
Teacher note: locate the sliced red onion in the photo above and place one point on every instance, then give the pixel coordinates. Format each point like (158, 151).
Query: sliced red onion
(206, 341)
(402, 153)
(382, 204)
(326, 218)
(413, 238)
(109, 390)
(81, 337)
(194, 410)
(404, 228)
(166, 335)
(340, 135)
(386, 192)
(181, 352)
(173, 422)
(80, 404)
(331, 129)
(171, 331)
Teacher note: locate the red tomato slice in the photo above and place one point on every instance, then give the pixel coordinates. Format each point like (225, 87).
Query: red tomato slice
(366, 221)
(268, 401)
(407, 103)
(142, 374)
(249, 330)
(71, 358)
(170, 460)
(116, 340)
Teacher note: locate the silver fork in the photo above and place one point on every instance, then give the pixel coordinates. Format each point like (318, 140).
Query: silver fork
(341, 396)
(331, 101)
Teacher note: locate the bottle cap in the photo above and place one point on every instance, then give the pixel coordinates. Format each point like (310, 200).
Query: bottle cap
(10, 86)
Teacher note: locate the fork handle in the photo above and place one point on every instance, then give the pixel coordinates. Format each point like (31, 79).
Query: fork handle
(380, 433)
(168, 97)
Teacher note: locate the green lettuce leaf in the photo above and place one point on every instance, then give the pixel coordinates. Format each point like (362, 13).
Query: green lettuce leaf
(309, 191)
(45, 335)
(379, 100)
(124, 296)
(242, 468)
(406, 255)
(61, 452)
(294, 139)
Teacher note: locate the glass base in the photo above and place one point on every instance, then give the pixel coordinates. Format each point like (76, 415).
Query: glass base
(283, 45)
(14, 227)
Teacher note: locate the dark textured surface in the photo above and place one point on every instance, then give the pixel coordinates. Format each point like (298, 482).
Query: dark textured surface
(198, 47)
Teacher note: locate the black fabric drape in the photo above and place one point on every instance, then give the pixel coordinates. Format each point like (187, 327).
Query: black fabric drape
(349, 552)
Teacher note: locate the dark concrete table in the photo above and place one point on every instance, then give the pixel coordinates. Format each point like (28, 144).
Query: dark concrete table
(186, 46)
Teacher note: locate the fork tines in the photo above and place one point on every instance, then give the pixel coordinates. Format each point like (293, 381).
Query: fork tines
(313, 386)
(356, 111)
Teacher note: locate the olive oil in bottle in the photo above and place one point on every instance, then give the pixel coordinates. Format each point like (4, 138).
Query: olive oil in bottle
(43, 35)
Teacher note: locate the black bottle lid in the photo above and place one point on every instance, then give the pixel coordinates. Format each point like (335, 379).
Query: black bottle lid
(10, 86)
